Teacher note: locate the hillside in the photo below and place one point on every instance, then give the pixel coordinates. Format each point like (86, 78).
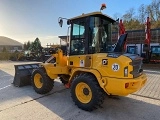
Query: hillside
(9, 41)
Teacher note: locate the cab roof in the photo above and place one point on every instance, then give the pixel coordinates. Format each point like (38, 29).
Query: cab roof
(94, 14)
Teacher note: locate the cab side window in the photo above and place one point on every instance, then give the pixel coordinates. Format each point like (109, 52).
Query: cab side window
(78, 38)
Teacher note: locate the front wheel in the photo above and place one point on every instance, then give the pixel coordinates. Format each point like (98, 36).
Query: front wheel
(86, 92)
(41, 83)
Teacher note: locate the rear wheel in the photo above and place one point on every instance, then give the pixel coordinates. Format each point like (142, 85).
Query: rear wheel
(41, 83)
(86, 92)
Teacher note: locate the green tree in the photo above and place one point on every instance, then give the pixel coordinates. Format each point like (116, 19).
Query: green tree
(142, 13)
(27, 45)
(129, 15)
(24, 46)
(36, 47)
(153, 10)
(136, 22)
(133, 24)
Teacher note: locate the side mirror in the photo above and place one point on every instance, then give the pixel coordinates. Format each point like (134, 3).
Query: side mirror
(68, 22)
(60, 21)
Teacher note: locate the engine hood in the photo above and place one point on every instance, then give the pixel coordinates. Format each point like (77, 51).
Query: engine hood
(131, 56)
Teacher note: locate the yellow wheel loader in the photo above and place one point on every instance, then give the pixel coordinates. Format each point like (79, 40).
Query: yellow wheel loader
(92, 67)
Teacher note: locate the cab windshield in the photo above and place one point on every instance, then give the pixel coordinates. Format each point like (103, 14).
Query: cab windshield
(100, 35)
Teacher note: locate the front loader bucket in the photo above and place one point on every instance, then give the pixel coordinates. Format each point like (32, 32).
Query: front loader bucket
(23, 74)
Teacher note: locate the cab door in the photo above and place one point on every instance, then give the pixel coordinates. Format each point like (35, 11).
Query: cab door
(78, 55)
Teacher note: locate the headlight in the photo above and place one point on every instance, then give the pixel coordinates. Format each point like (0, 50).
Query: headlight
(126, 71)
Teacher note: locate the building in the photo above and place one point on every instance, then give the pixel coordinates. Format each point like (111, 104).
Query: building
(10, 44)
(136, 40)
(138, 36)
(64, 40)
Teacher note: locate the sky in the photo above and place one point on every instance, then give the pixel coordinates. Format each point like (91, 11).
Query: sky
(25, 20)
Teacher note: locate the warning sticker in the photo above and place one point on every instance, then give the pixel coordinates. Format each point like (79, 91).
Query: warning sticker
(81, 63)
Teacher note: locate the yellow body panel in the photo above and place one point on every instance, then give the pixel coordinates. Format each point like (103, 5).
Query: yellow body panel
(79, 70)
(106, 70)
(95, 62)
(61, 60)
(53, 71)
(79, 61)
(59, 67)
(116, 86)
(112, 81)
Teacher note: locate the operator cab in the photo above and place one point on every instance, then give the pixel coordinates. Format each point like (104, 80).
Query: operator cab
(90, 33)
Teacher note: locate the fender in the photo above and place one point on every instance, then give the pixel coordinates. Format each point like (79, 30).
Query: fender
(94, 72)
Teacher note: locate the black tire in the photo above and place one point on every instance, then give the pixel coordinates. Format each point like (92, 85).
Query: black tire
(94, 90)
(45, 83)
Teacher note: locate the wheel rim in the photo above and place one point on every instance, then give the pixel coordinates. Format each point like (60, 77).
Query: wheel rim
(83, 92)
(38, 80)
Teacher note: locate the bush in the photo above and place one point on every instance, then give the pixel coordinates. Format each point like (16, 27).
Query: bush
(5, 56)
(9, 56)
